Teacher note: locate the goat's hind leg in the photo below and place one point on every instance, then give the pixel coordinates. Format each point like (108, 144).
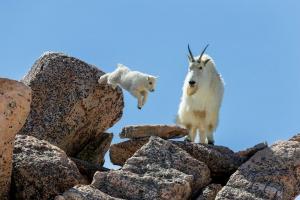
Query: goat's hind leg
(202, 134)
(210, 134)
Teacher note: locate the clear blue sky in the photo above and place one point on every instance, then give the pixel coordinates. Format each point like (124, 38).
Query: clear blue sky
(255, 44)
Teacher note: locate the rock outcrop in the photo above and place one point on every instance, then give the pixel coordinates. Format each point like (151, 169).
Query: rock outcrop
(159, 170)
(221, 161)
(41, 170)
(69, 108)
(273, 173)
(15, 99)
(162, 131)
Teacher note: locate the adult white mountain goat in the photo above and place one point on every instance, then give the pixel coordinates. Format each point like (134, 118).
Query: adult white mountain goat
(201, 99)
(136, 83)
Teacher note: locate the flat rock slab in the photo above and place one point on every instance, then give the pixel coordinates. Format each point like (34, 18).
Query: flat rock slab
(163, 131)
(159, 170)
(41, 170)
(273, 173)
(69, 108)
(15, 99)
(221, 161)
(84, 192)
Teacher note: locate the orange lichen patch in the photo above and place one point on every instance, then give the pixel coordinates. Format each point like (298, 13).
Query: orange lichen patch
(191, 90)
(200, 114)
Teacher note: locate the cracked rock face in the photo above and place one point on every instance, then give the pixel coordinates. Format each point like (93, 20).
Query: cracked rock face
(15, 99)
(41, 170)
(95, 150)
(221, 161)
(159, 170)
(273, 173)
(210, 192)
(69, 108)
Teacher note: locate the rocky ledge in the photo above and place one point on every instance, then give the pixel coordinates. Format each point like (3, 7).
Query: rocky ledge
(59, 152)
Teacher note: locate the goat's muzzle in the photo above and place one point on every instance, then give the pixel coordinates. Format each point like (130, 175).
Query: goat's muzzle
(191, 89)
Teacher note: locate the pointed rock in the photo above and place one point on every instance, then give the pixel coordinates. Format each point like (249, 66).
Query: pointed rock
(159, 170)
(69, 108)
(273, 173)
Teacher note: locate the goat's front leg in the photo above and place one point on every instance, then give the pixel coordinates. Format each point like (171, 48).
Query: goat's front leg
(138, 95)
(145, 97)
(112, 84)
(192, 134)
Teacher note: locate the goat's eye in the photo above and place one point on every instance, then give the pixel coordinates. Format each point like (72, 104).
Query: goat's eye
(150, 83)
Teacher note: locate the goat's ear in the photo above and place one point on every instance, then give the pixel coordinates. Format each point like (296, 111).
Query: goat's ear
(205, 62)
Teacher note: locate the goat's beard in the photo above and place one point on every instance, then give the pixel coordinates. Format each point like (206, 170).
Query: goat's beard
(191, 90)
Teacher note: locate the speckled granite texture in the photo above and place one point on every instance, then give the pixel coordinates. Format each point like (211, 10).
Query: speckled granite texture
(69, 108)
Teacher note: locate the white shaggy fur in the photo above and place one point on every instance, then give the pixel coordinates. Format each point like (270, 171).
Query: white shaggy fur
(136, 83)
(201, 100)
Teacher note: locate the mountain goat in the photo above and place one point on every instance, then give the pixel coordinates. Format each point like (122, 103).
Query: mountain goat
(136, 83)
(201, 99)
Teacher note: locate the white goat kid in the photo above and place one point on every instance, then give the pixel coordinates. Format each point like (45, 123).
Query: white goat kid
(136, 83)
(201, 99)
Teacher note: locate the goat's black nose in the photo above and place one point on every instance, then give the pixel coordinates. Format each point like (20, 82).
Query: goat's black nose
(192, 82)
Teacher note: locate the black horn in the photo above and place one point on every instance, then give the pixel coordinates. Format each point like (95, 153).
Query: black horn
(202, 52)
(191, 54)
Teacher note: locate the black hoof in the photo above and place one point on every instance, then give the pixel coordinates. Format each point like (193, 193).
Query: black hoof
(187, 139)
(211, 142)
(139, 107)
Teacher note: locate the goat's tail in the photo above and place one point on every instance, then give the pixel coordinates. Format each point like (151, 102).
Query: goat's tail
(103, 79)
